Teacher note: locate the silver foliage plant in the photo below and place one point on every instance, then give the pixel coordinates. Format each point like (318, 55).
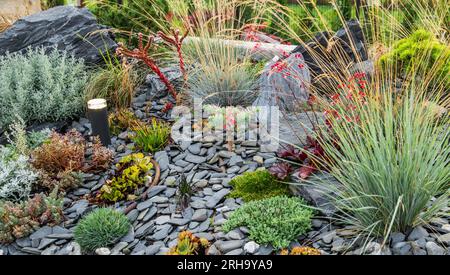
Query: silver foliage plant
(16, 175)
(41, 86)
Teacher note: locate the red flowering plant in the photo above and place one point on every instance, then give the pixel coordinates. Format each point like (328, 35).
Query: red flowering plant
(342, 107)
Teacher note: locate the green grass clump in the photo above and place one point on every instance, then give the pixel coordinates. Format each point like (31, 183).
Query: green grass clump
(257, 185)
(101, 228)
(276, 221)
(393, 166)
(152, 138)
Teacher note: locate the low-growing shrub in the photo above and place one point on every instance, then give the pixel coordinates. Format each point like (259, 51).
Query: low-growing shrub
(18, 220)
(60, 153)
(188, 244)
(133, 172)
(101, 228)
(16, 175)
(276, 221)
(63, 156)
(41, 87)
(151, 138)
(257, 185)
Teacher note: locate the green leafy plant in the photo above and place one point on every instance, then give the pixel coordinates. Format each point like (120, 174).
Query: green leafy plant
(41, 86)
(151, 138)
(18, 220)
(133, 172)
(128, 16)
(276, 221)
(423, 52)
(257, 185)
(101, 228)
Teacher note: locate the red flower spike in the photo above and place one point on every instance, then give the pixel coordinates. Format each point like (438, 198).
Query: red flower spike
(141, 53)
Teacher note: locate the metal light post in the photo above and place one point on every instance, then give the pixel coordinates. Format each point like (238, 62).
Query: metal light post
(98, 115)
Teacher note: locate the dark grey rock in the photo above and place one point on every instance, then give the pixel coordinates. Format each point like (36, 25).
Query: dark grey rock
(200, 215)
(144, 229)
(216, 198)
(318, 193)
(402, 248)
(41, 233)
(227, 246)
(418, 233)
(195, 159)
(152, 249)
(65, 27)
(133, 215)
(163, 160)
(397, 237)
(434, 249)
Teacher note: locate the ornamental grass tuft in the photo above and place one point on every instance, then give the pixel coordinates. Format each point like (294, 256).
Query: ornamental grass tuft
(101, 228)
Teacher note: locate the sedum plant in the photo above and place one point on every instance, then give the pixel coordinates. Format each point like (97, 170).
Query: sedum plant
(276, 221)
(62, 157)
(101, 228)
(18, 220)
(133, 172)
(257, 185)
(188, 244)
(16, 175)
(41, 86)
(153, 137)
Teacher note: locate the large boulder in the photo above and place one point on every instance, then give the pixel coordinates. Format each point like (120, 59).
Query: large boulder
(64, 27)
(284, 83)
(340, 50)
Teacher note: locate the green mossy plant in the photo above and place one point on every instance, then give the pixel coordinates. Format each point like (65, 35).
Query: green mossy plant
(101, 228)
(133, 171)
(423, 52)
(257, 185)
(276, 221)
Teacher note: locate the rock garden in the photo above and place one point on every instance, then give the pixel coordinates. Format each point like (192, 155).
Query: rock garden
(225, 127)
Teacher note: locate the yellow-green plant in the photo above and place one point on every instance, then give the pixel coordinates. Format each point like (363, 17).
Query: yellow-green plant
(423, 52)
(153, 137)
(133, 172)
(188, 244)
(257, 185)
